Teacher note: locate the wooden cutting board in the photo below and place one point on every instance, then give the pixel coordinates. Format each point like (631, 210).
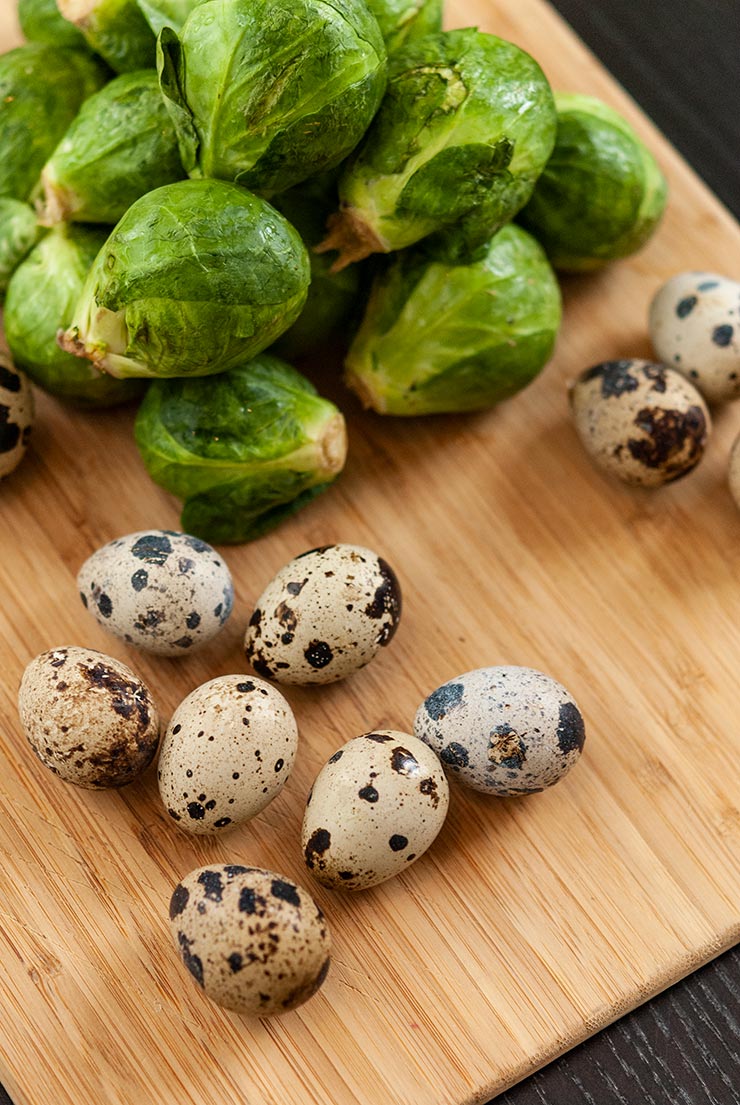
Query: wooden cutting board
(533, 922)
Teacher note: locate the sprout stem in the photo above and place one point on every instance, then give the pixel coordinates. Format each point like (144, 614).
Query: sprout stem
(349, 234)
(333, 445)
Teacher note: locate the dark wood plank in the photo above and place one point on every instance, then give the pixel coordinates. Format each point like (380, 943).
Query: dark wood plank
(680, 62)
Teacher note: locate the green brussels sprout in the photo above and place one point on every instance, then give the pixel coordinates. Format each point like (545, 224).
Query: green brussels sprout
(41, 295)
(121, 145)
(269, 92)
(167, 13)
(19, 233)
(41, 21)
(601, 194)
(41, 89)
(332, 297)
(115, 29)
(466, 127)
(402, 21)
(438, 338)
(244, 450)
(196, 277)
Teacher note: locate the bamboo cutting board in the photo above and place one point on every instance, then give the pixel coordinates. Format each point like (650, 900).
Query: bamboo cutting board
(533, 922)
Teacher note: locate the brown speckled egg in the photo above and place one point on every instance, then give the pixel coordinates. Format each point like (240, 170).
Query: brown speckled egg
(88, 717)
(16, 415)
(641, 422)
(254, 941)
(227, 752)
(324, 615)
(161, 591)
(503, 730)
(375, 807)
(695, 328)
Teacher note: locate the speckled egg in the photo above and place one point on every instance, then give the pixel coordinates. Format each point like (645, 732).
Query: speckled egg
(641, 422)
(695, 328)
(324, 615)
(160, 591)
(503, 730)
(227, 752)
(16, 415)
(88, 717)
(376, 806)
(253, 940)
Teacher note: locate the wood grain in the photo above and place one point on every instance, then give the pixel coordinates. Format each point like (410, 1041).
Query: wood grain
(533, 922)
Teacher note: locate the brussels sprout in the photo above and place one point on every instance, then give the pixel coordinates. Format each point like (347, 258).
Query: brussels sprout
(268, 92)
(121, 145)
(167, 13)
(19, 233)
(438, 337)
(601, 194)
(41, 21)
(196, 277)
(465, 129)
(115, 29)
(332, 297)
(402, 21)
(41, 295)
(244, 450)
(41, 89)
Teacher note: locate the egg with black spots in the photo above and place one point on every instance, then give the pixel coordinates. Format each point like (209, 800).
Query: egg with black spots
(325, 615)
(16, 415)
(375, 807)
(89, 718)
(503, 730)
(644, 423)
(253, 940)
(695, 328)
(158, 590)
(227, 752)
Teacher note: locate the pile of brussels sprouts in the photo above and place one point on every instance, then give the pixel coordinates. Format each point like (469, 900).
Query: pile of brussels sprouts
(193, 189)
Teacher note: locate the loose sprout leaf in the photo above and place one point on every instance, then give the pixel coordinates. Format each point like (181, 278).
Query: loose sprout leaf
(170, 69)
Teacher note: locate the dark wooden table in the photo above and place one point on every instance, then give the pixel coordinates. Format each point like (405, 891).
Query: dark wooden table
(680, 59)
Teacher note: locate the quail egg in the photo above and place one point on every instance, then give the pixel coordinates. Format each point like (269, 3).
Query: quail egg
(695, 328)
(375, 807)
(88, 717)
(324, 615)
(160, 591)
(734, 474)
(503, 730)
(16, 415)
(253, 940)
(641, 422)
(227, 752)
